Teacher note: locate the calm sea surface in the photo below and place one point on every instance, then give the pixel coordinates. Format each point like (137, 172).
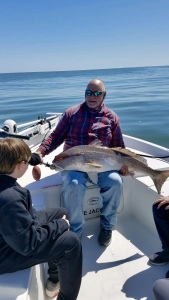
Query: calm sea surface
(140, 96)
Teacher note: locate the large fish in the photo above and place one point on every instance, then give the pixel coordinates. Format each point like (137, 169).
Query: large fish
(95, 158)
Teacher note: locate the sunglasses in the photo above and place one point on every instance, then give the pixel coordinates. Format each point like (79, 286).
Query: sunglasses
(95, 93)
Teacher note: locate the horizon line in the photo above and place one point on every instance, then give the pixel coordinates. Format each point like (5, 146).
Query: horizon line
(77, 70)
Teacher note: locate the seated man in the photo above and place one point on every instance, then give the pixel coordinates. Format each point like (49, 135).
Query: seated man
(80, 125)
(29, 237)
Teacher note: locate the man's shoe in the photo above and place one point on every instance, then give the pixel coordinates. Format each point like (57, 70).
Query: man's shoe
(159, 258)
(104, 237)
(52, 289)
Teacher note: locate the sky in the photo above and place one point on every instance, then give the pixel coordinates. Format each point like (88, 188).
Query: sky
(57, 35)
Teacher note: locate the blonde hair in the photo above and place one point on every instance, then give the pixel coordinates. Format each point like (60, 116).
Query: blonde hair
(12, 152)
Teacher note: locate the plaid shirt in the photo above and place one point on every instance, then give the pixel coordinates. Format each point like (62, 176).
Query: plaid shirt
(80, 126)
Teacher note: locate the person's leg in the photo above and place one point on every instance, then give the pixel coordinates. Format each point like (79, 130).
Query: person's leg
(161, 219)
(48, 215)
(45, 216)
(161, 289)
(70, 272)
(64, 257)
(110, 184)
(74, 187)
(68, 269)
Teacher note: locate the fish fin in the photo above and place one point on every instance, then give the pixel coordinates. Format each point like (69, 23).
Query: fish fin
(96, 142)
(159, 179)
(125, 151)
(93, 177)
(130, 153)
(94, 165)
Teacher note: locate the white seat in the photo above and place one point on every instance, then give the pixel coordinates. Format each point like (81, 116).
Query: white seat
(15, 285)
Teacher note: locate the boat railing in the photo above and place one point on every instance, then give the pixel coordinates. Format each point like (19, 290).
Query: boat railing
(146, 148)
(41, 119)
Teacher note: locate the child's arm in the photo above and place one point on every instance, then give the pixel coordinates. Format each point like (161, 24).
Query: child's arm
(20, 229)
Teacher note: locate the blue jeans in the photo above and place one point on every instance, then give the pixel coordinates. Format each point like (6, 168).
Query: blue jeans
(161, 219)
(74, 187)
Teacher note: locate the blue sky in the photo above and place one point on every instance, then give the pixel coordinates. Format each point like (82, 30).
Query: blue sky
(54, 35)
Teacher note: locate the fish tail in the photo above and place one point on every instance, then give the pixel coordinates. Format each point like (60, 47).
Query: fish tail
(159, 179)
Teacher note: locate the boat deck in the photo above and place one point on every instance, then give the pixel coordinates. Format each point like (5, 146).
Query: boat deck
(122, 270)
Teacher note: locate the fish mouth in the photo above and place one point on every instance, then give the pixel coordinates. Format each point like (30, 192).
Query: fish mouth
(54, 166)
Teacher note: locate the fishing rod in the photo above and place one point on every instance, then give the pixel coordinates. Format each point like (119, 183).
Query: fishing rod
(4, 134)
(51, 166)
(153, 156)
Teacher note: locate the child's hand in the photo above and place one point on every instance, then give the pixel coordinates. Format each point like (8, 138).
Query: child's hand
(64, 217)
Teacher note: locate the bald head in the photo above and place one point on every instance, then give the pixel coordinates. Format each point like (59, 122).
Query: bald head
(95, 93)
(97, 84)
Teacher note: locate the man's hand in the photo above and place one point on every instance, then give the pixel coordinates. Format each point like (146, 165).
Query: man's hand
(40, 154)
(124, 171)
(162, 201)
(64, 218)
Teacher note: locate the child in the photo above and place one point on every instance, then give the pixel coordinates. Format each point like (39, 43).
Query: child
(29, 237)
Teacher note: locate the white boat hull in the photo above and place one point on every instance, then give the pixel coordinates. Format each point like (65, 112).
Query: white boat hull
(120, 271)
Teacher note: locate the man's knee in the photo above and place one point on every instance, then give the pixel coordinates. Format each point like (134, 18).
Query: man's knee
(114, 180)
(69, 176)
(74, 185)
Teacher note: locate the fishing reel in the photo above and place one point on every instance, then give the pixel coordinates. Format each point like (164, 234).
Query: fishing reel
(9, 129)
(10, 126)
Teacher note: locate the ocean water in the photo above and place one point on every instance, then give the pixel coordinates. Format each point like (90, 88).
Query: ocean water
(140, 97)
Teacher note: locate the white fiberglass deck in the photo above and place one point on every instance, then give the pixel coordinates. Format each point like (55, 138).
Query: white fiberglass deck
(120, 271)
